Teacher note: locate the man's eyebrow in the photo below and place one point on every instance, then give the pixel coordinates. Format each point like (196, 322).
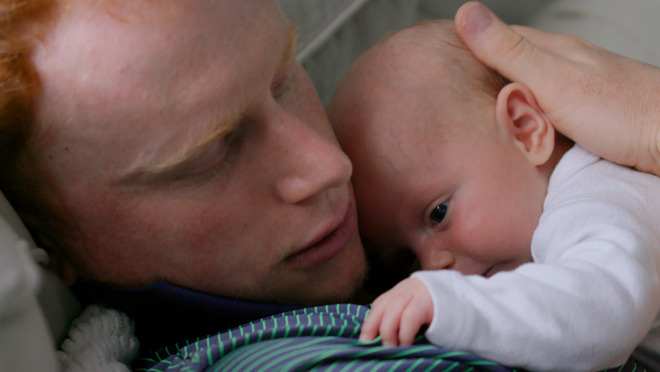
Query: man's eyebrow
(183, 160)
(191, 153)
(290, 48)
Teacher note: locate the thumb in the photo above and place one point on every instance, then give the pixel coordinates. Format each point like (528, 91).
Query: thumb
(501, 48)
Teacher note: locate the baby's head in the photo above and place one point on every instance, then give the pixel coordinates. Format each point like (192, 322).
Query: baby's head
(450, 160)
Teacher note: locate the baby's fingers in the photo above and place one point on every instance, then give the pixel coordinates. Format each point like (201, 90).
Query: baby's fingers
(371, 325)
(390, 324)
(383, 319)
(411, 322)
(417, 314)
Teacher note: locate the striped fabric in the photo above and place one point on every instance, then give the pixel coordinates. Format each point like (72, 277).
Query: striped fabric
(311, 339)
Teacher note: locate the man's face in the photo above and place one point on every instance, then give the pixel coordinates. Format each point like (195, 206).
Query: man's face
(425, 181)
(189, 146)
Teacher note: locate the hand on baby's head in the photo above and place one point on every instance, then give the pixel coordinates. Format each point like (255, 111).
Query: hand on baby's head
(585, 90)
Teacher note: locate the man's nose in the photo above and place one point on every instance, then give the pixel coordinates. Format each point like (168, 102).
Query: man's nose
(310, 162)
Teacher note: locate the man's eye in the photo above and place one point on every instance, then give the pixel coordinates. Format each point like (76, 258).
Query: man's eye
(439, 213)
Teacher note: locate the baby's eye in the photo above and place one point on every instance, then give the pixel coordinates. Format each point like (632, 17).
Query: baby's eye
(438, 213)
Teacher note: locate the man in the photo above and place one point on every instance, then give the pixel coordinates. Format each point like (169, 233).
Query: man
(187, 145)
(180, 142)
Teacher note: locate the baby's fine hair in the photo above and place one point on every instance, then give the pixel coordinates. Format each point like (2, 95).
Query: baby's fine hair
(464, 74)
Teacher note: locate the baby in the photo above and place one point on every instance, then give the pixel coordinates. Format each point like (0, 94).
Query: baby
(535, 253)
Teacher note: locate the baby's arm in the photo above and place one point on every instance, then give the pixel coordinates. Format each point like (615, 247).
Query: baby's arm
(592, 293)
(398, 314)
(589, 298)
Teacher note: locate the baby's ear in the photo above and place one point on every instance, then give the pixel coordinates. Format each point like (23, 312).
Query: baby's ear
(519, 115)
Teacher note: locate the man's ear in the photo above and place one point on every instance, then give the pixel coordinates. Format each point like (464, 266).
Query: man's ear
(518, 114)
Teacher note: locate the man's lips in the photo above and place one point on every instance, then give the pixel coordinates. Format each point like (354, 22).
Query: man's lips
(328, 243)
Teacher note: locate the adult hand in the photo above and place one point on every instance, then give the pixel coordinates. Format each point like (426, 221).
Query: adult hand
(607, 103)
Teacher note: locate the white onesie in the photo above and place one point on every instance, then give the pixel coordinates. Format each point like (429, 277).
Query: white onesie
(593, 291)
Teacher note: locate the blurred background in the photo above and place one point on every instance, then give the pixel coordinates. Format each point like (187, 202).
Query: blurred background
(335, 32)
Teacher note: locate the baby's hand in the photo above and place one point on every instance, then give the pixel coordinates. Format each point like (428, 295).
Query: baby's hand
(398, 314)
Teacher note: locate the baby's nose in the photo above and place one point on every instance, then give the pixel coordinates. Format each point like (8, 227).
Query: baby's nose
(438, 260)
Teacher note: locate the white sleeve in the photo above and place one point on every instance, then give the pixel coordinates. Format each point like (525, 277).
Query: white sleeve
(587, 301)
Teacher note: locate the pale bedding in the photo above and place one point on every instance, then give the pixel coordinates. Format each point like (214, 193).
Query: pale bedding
(36, 309)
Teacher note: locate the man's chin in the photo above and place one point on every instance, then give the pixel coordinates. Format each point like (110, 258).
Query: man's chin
(351, 289)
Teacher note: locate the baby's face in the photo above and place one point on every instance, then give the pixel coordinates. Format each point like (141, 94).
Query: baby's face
(425, 180)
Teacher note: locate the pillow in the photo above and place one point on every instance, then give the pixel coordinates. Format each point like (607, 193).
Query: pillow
(28, 296)
(23, 330)
(628, 27)
(333, 33)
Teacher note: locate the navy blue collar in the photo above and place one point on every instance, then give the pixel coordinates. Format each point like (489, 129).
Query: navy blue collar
(165, 314)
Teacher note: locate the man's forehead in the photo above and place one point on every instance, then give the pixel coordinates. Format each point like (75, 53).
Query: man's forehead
(154, 23)
(93, 48)
(199, 142)
(105, 72)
